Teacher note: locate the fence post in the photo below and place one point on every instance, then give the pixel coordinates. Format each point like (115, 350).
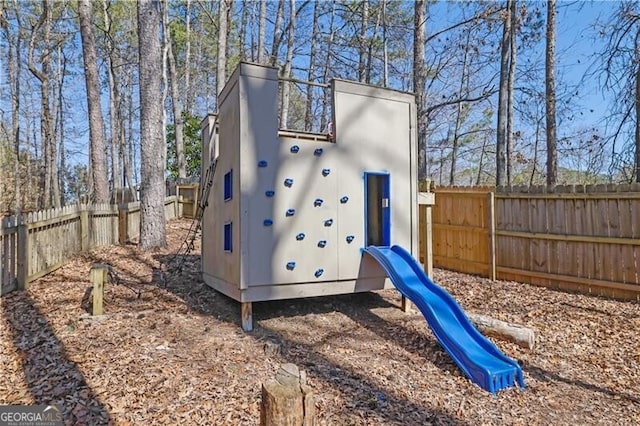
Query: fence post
(84, 227)
(491, 217)
(23, 254)
(123, 220)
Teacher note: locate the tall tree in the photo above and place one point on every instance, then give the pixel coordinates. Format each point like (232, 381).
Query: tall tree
(286, 86)
(311, 75)
(511, 86)
(262, 24)
(51, 194)
(550, 79)
(277, 34)
(503, 100)
(362, 41)
(221, 75)
(175, 97)
(152, 149)
(419, 81)
(96, 134)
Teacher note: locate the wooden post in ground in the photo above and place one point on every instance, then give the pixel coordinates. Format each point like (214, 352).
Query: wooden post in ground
(246, 312)
(23, 254)
(84, 228)
(99, 277)
(123, 220)
(491, 217)
(287, 400)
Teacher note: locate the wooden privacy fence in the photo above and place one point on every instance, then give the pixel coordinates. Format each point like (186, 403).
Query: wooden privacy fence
(34, 244)
(578, 238)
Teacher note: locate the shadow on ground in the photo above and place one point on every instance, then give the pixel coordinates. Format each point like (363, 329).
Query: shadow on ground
(51, 377)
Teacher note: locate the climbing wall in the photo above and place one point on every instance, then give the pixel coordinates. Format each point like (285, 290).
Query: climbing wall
(293, 223)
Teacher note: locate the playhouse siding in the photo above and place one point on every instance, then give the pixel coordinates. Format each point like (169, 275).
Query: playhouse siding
(216, 262)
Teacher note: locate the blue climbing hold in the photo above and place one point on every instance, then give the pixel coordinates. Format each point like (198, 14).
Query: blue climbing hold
(262, 163)
(267, 222)
(295, 149)
(270, 193)
(317, 152)
(288, 182)
(291, 212)
(300, 237)
(328, 222)
(350, 238)
(291, 265)
(344, 199)
(319, 272)
(325, 172)
(322, 243)
(317, 202)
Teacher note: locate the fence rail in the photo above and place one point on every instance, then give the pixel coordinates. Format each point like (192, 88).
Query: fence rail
(34, 244)
(584, 239)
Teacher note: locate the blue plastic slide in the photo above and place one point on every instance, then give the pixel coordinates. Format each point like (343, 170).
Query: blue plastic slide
(476, 356)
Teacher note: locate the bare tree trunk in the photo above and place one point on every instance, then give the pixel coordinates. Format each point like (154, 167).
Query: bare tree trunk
(221, 76)
(510, 89)
(327, 68)
(188, 96)
(14, 89)
(98, 166)
(385, 50)
(419, 81)
(503, 107)
(62, 69)
(637, 107)
(552, 153)
(114, 102)
(286, 86)
(370, 46)
(175, 99)
(308, 118)
(243, 30)
(153, 160)
(362, 49)
(464, 81)
(261, 31)
(277, 34)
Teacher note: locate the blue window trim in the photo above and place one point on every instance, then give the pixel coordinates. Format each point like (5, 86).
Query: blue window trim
(228, 185)
(228, 237)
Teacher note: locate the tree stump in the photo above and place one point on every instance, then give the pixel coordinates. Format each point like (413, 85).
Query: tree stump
(518, 334)
(287, 400)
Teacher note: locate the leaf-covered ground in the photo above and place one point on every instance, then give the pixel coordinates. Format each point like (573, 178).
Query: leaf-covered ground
(177, 355)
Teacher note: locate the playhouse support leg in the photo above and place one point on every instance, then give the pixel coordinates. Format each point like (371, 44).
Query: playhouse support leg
(406, 304)
(247, 316)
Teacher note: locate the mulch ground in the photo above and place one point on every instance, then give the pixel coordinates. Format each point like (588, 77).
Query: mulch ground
(177, 355)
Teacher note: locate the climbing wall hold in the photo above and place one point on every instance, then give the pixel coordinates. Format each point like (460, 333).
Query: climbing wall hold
(319, 272)
(317, 152)
(328, 222)
(291, 266)
(322, 243)
(300, 237)
(262, 163)
(267, 222)
(325, 172)
(295, 149)
(350, 238)
(270, 193)
(344, 199)
(317, 202)
(291, 212)
(288, 182)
